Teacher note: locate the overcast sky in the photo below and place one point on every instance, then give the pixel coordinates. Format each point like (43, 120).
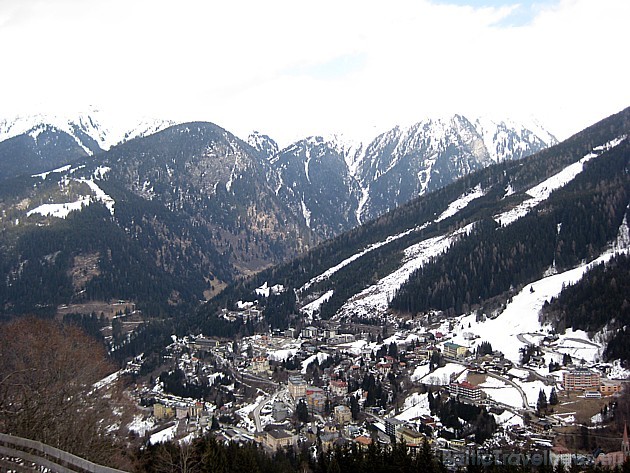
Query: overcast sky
(295, 68)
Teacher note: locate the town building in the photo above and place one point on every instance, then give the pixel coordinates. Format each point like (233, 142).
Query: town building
(609, 387)
(338, 387)
(205, 344)
(315, 399)
(161, 411)
(309, 332)
(260, 365)
(342, 415)
(453, 350)
(412, 438)
(581, 379)
(466, 390)
(392, 425)
(297, 387)
(278, 438)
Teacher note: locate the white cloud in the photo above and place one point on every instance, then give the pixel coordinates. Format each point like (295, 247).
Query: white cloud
(296, 68)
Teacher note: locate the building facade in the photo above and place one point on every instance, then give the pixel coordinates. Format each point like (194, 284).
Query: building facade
(581, 379)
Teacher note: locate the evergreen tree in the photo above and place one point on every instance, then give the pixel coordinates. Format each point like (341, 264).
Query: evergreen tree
(541, 405)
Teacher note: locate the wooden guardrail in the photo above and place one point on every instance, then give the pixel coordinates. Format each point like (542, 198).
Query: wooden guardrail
(24, 455)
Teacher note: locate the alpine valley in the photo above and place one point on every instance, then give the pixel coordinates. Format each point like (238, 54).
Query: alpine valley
(376, 306)
(166, 214)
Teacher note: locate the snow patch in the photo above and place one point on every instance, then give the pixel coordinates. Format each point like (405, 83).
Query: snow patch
(542, 191)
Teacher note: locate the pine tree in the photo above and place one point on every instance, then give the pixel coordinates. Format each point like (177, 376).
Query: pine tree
(541, 405)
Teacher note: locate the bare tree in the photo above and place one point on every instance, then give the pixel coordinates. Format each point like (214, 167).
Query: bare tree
(47, 393)
(176, 458)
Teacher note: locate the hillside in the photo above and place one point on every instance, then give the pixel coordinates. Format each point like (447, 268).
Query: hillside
(471, 246)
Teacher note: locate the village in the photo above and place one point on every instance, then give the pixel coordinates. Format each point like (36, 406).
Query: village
(434, 381)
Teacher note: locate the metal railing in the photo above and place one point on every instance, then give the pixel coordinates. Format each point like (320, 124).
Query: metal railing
(24, 455)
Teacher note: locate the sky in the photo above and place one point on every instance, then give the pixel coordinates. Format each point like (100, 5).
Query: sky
(294, 68)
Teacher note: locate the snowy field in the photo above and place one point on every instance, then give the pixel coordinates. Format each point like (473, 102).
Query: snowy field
(415, 406)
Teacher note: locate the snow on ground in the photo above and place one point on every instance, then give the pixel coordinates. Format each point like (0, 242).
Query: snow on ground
(140, 425)
(518, 373)
(244, 412)
(329, 272)
(420, 372)
(212, 379)
(163, 435)
(521, 316)
(357, 347)
(442, 376)
(265, 290)
(400, 338)
(578, 344)
(280, 355)
(44, 175)
(508, 418)
(507, 395)
(107, 380)
(567, 417)
(532, 389)
(100, 194)
(316, 304)
(59, 210)
(492, 382)
(502, 392)
(319, 356)
(375, 299)
(618, 372)
(542, 191)
(597, 418)
(62, 210)
(461, 203)
(415, 406)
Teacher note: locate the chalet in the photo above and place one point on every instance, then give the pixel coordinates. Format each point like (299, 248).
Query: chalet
(363, 442)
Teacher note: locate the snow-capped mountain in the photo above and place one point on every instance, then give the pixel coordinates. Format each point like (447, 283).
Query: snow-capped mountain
(360, 181)
(94, 130)
(263, 144)
(39, 142)
(492, 250)
(406, 162)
